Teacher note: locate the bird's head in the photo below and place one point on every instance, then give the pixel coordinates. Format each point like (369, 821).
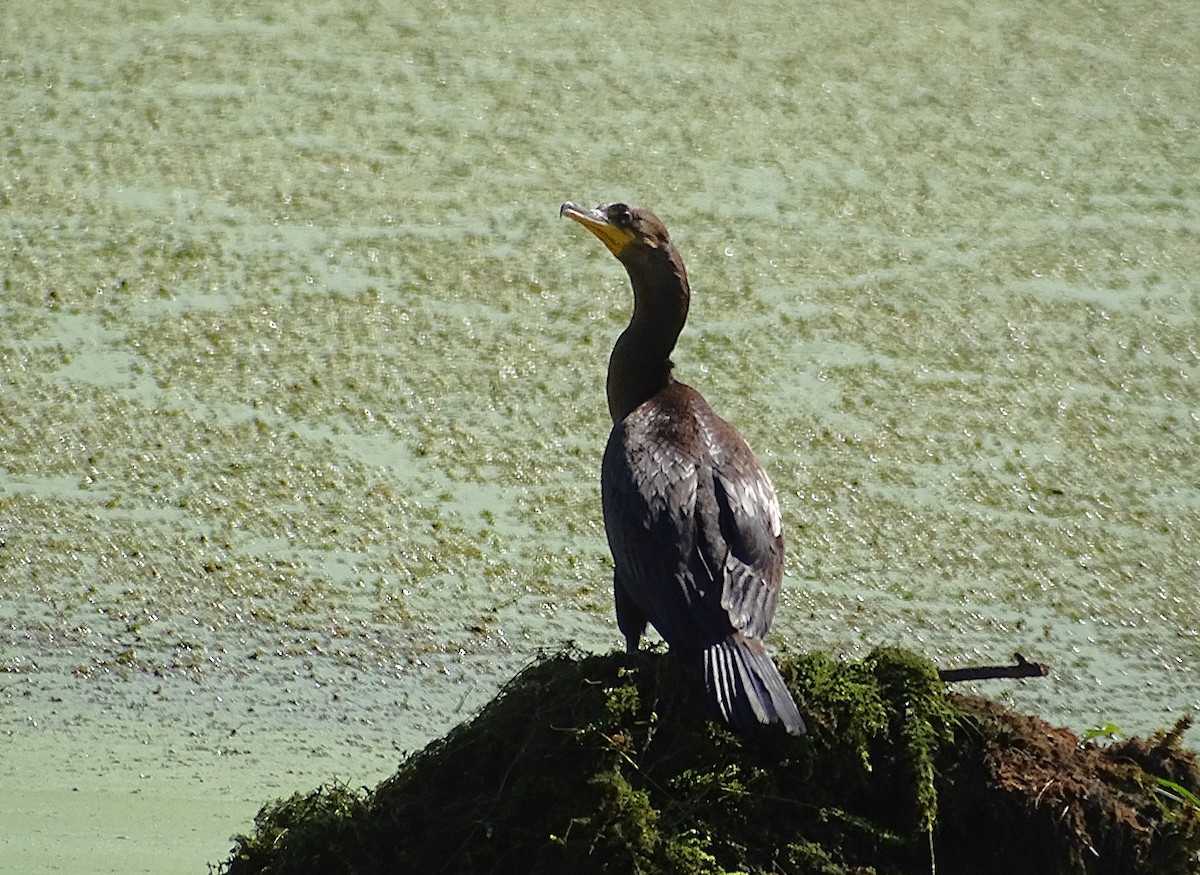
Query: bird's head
(630, 233)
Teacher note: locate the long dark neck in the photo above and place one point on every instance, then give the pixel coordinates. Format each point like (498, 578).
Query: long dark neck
(640, 365)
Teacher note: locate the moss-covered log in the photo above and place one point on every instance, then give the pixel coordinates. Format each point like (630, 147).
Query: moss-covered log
(609, 764)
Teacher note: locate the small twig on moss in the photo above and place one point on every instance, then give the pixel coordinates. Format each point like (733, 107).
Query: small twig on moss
(1023, 669)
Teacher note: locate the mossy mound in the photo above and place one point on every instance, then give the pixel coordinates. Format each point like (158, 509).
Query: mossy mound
(609, 764)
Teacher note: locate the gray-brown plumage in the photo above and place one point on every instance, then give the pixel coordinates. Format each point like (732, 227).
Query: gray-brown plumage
(692, 519)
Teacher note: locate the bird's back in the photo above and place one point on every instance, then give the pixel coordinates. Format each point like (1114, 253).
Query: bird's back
(692, 520)
(693, 525)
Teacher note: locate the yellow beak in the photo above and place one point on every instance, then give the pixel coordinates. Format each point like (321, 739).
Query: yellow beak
(616, 239)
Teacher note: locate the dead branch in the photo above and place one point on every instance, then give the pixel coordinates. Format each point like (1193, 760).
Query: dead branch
(1023, 669)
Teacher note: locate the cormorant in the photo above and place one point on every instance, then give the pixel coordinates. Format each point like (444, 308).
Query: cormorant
(692, 519)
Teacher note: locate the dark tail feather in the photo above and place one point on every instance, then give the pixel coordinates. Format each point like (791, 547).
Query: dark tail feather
(744, 686)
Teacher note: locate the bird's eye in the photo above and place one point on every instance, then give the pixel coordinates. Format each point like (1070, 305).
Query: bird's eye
(620, 214)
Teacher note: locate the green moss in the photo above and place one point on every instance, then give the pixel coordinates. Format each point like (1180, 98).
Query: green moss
(921, 721)
(304, 832)
(610, 764)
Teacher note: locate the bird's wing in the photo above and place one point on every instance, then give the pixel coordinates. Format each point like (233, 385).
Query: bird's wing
(694, 527)
(649, 490)
(744, 549)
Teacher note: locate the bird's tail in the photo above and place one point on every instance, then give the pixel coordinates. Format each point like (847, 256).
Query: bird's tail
(744, 686)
